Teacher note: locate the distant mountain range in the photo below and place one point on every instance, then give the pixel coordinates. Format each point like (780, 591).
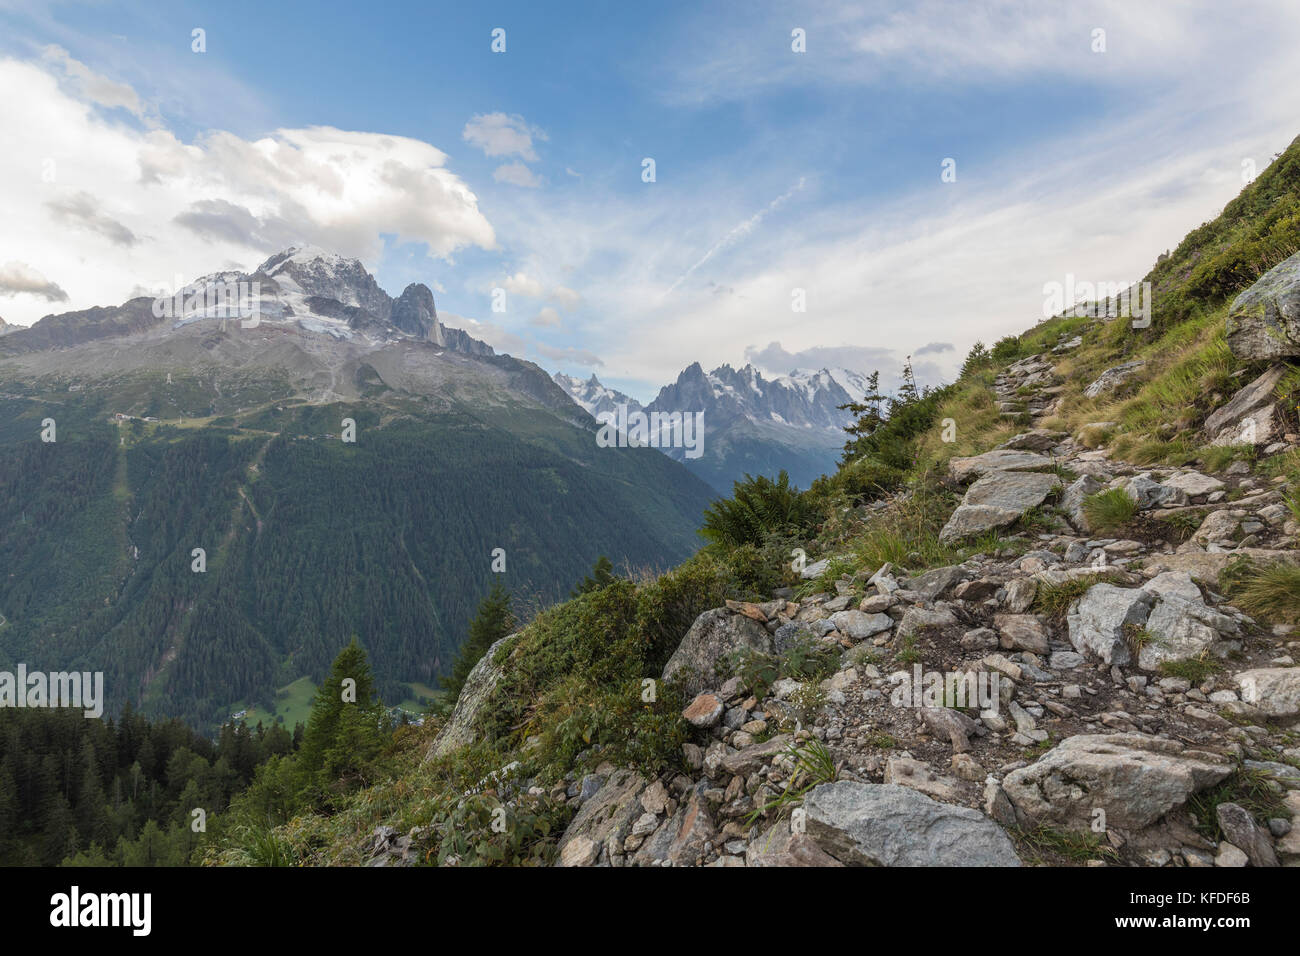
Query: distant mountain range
(752, 424)
(209, 426)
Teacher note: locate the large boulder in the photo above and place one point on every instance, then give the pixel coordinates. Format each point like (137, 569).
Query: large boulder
(1149, 493)
(1250, 416)
(997, 500)
(1072, 500)
(970, 520)
(860, 626)
(1182, 626)
(1036, 439)
(1103, 622)
(1193, 483)
(1112, 379)
(779, 846)
(1177, 634)
(937, 582)
(713, 636)
(1134, 778)
(1000, 459)
(868, 824)
(1264, 321)
(1274, 690)
(464, 726)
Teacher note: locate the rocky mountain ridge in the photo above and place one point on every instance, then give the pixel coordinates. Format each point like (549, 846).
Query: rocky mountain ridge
(753, 424)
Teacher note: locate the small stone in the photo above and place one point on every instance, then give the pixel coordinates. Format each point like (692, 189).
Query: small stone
(704, 711)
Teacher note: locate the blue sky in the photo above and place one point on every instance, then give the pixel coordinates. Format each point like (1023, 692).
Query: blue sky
(392, 132)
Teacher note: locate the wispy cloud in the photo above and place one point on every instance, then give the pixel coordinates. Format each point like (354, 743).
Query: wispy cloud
(738, 232)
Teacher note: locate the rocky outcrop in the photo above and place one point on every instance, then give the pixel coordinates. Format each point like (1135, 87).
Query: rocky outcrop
(1112, 379)
(1264, 321)
(1251, 416)
(713, 636)
(863, 824)
(414, 313)
(1134, 779)
(998, 500)
(464, 726)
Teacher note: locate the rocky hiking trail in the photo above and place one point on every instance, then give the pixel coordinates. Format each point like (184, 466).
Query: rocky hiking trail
(1134, 702)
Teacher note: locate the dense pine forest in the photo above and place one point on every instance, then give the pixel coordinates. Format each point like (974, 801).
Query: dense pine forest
(306, 541)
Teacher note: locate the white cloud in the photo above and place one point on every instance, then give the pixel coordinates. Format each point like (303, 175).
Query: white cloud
(546, 318)
(516, 174)
(500, 135)
(497, 336)
(91, 86)
(104, 207)
(18, 278)
(564, 296)
(738, 232)
(521, 284)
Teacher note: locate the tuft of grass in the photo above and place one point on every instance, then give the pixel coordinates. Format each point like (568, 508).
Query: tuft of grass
(1219, 457)
(814, 765)
(1078, 846)
(1195, 669)
(908, 653)
(1109, 510)
(1271, 592)
(1184, 523)
(1055, 599)
(1254, 790)
(1138, 638)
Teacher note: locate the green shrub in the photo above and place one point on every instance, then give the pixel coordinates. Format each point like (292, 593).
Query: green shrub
(757, 508)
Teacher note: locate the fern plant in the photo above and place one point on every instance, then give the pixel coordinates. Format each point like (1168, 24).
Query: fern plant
(757, 508)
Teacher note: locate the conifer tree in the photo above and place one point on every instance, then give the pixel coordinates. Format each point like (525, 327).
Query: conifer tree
(602, 575)
(346, 728)
(493, 621)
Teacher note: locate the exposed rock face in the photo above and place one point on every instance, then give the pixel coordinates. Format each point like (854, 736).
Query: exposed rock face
(1274, 690)
(1000, 459)
(74, 328)
(414, 313)
(997, 500)
(1135, 778)
(864, 824)
(1072, 499)
(1112, 379)
(463, 727)
(714, 634)
(1264, 321)
(604, 822)
(1102, 622)
(1251, 415)
(317, 273)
